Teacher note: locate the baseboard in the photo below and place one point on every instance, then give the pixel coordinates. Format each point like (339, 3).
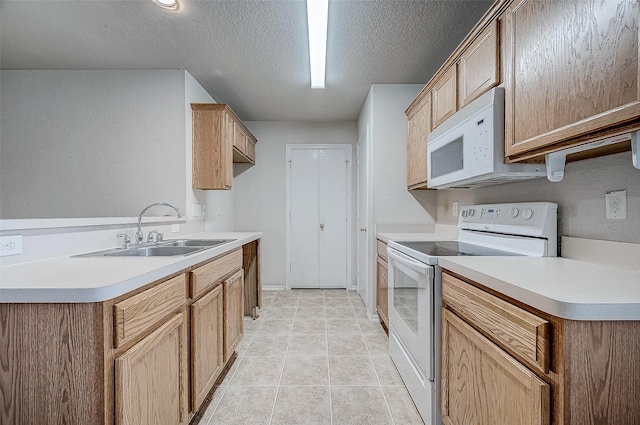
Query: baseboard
(273, 287)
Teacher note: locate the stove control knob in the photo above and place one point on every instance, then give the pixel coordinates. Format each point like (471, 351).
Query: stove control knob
(527, 213)
(464, 213)
(513, 212)
(472, 212)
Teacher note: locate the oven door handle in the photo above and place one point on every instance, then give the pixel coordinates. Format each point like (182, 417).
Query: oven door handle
(410, 262)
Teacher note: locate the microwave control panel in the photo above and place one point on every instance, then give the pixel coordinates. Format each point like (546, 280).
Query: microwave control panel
(481, 143)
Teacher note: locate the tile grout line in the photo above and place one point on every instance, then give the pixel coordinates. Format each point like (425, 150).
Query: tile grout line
(284, 361)
(326, 330)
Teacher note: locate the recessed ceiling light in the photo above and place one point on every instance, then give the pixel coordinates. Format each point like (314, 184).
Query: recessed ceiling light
(167, 4)
(317, 17)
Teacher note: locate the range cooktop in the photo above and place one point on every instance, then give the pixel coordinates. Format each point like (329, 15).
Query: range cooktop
(452, 248)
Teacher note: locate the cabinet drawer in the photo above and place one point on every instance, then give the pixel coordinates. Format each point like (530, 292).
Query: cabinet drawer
(140, 312)
(515, 329)
(382, 250)
(205, 277)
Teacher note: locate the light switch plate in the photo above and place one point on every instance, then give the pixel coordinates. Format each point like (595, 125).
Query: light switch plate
(10, 245)
(454, 209)
(616, 205)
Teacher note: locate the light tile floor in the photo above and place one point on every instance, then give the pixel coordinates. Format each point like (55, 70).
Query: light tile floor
(313, 358)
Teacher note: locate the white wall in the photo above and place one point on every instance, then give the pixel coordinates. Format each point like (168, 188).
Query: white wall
(580, 198)
(390, 202)
(91, 143)
(260, 190)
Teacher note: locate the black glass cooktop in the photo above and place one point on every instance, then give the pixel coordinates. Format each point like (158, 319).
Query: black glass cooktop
(452, 248)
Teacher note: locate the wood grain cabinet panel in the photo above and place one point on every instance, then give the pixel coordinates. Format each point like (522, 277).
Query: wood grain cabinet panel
(233, 292)
(481, 384)
(523, 333)
(478, 66)
(151, 378)
(571, 73)
(207, 276)
(140, 312)
(207, 328)
(382, 290)
(444, 96)
(219, 140)
(418, 129)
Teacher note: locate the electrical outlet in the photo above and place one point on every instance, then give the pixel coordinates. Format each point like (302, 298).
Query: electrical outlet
(10, 245)
(196, 210)
(616, 205)
(175, 228)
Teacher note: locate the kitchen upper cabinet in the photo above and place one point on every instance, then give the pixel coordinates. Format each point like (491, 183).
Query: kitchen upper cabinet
(233, 292)
(571, 73)
(219, 140)
(151, 378)
(478, 66)
(418, 129)
(207, 330)
(445, 96)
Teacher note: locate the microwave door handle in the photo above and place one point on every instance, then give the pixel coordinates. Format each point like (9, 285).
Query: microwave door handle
(411, 263)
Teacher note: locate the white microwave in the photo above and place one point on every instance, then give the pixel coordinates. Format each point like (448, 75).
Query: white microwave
(467, 150)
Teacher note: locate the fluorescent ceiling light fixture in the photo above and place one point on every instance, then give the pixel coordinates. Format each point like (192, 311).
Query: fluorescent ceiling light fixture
(317, 16)
(167, 4)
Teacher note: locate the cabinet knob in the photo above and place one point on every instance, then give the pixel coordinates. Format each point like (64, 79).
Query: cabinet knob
(321, 226)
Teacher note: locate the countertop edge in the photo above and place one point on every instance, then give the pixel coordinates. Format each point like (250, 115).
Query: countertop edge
(558, 308)
(109, 292)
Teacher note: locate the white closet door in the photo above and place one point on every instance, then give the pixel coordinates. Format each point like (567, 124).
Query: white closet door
(304, 218)
(332, 194)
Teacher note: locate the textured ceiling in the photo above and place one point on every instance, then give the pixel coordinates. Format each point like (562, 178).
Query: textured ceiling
(251, 54)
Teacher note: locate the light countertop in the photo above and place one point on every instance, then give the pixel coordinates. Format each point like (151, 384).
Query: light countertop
(95, 279)
(562, 287)
(440, 233)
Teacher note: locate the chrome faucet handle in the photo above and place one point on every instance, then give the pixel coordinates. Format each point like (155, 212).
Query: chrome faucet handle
(126, 242)
(159, 237)
(150, 235)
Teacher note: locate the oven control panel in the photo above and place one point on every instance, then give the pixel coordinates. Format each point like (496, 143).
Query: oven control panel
(533, 218)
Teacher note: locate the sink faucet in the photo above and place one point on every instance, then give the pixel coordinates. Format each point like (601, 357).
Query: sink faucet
(139, 234)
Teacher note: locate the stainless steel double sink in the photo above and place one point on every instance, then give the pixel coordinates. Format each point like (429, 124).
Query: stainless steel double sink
(168, 248)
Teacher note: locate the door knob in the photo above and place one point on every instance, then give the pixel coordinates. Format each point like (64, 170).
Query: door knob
(363, 229)
(321, 226)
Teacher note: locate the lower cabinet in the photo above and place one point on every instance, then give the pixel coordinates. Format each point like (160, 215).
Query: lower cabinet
(233, 292)
(151, 378)
(382, 283)
(504, 362)
(482, 384)
(207, 324)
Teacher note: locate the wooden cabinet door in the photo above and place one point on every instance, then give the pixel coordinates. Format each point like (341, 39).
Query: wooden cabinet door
(212, 148)
(233, 289)
(151, 378)
(478, 66)
(207, 327)
(444, 96)
(482, 384)
(419, 127)
(382, 291)
(572, 70)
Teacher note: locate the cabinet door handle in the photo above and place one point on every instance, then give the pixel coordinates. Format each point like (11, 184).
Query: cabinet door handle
(363, 229)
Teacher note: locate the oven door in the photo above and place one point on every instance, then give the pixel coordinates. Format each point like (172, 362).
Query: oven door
(411, 309)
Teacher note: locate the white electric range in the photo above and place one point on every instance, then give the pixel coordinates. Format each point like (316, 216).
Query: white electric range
(415, 285)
